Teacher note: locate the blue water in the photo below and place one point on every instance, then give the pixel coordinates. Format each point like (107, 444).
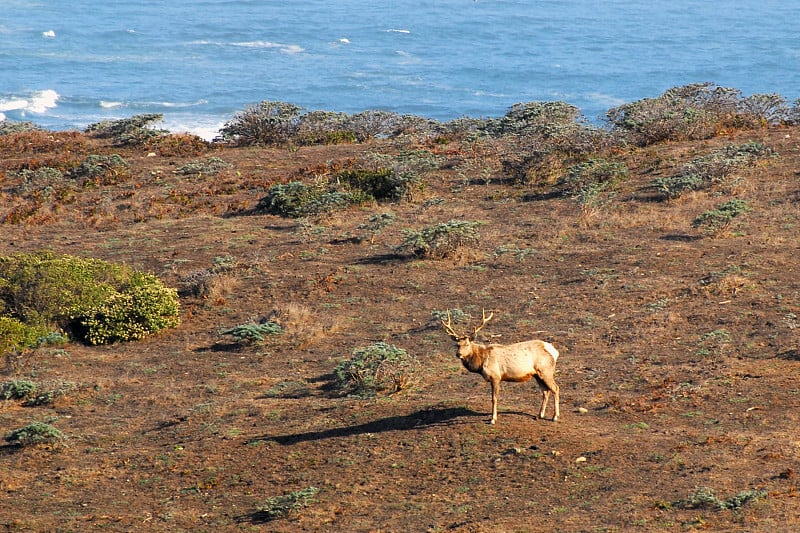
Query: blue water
(67, 63)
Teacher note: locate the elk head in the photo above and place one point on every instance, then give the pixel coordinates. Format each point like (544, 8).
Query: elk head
(465, 341)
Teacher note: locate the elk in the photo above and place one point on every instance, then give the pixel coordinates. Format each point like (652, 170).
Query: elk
(517, 362)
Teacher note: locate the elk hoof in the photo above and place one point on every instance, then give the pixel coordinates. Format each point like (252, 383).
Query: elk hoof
(555, 419)
(492, 421)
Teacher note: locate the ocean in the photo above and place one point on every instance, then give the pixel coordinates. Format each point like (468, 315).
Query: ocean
(67, 63)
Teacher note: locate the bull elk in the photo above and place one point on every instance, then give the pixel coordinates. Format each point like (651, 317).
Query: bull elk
(517, 362)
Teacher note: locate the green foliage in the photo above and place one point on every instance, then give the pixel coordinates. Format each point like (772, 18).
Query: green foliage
(133, 131)
(98, 300)
(210, 166)
(456, 315)
(440, 240)
(10, 127)
(712, 168)
(705, 498)
(253, 333)
(143, 306)
(718, 219)
(17, 389)
(376, 223)
(595, 181)
(297, 199)
(96, 167)
(33, 394)
(291, 502)
(380, 367)
(696, 111)
(16, 335)
(36, 433)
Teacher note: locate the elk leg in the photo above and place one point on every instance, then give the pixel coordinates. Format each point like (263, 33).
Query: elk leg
(495, 395)
(548, 385)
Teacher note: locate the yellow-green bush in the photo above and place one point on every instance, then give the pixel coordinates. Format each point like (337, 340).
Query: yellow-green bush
(96, 301)
(16, 335)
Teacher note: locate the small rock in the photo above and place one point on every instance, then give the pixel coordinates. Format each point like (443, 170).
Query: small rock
(580, 459)
(582, 410)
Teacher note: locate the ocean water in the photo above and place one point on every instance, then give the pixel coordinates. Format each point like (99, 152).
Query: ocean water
(67, 63)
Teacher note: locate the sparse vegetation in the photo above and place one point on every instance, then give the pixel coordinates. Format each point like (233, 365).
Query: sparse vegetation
(286, 504)
(706, 498)
(714, 221)
(133, 131)
(441, 240)
(36, 434)
(252, 333)
(374, 369)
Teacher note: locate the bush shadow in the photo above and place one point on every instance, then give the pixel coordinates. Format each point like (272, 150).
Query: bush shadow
(425, 418)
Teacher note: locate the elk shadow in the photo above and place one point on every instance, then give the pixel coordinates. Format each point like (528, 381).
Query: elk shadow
(424, 418)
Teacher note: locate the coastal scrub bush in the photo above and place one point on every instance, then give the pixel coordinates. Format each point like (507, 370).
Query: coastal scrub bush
(33, 394)
(37, 433)
(325, 127)
(379, 367)
(440, 240)
(132, 131)
(252, 333)
(98, 169)
(95, 300)
(712, 168)
(16, 335)
(696, 111)
(297, 199)
(718, 219)
(543, 139)
(266, 123)
(210, 167)
(706, 498)
(9, 127)
(593, 177)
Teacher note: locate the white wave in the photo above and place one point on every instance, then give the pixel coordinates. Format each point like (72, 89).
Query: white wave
(285, 48)
(110, 105)
(394, 30)
(49, 34)
(344, 40)
(38, 102)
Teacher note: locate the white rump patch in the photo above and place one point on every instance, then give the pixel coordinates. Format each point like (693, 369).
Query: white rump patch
(552, 349)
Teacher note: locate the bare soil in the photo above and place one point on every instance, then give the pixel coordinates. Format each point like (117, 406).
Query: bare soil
(679, 367)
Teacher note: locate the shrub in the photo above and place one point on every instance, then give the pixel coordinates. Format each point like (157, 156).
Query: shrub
(131, 131)
(97, 300)
(267, 123)
(696, 111)
(440, 240)
(376, 223)
(705, 498)
(35, 434)
(253, 333)
(100, 169)
(17, 389)
(291, 502)
(144, 306)
(32, 394)
(16, 335)
(718, 219)
(713, 168)
(325, 127)
(296, 199)
(9, 127)
(380, 367)
(210, 167)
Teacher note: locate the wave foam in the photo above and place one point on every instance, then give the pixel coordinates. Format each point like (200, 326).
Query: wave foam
(38, 102)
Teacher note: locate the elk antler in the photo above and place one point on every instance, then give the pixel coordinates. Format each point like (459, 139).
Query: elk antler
(448, 327)
(483, 323)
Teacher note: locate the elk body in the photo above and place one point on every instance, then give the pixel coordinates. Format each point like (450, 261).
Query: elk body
(512, 362)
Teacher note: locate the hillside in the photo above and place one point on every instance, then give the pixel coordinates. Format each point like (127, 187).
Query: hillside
(679, 347)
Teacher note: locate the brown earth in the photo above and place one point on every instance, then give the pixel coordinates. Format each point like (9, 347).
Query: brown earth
(678, 369)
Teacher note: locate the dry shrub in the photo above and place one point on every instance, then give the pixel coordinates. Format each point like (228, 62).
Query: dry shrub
(300, 324)
(725, 285)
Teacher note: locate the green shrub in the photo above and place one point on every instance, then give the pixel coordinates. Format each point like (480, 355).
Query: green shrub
(35, 434)
(325, 127)
(594, 182)
(17, 389)
(291, 502)
(9, 127)
(297, 199)
(376, 223)
(380, 367)
(97, 300)
(133, 131)
(16, 335)
(705, 498)
(712, 168)
(718, 219)
(253, 333)
(100, 167)
(440, 240)
(144, 306)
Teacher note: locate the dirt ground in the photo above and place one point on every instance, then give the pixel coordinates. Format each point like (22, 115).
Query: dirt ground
(679, 366)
